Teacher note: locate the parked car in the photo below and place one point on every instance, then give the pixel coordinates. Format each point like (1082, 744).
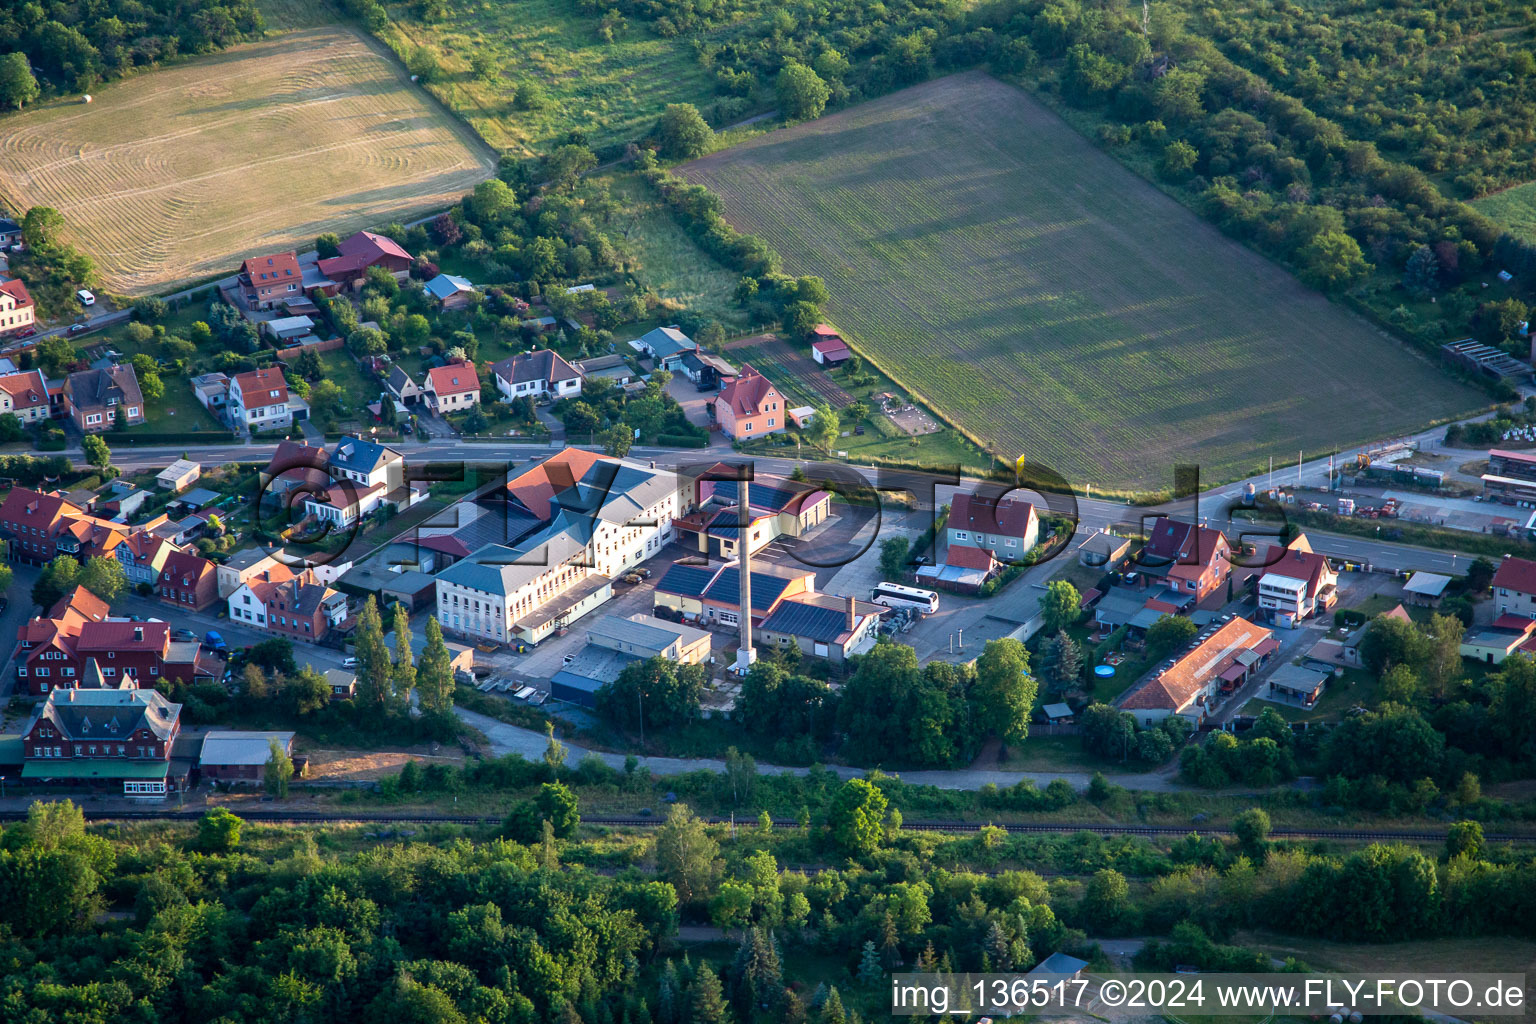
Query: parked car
(644, 574)
(183, 634)
(26, 333)
(631, 578)
(78, 328)
(214, 641)
(349, 662)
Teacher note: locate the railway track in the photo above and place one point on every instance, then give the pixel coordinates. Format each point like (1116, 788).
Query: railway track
(642, 821)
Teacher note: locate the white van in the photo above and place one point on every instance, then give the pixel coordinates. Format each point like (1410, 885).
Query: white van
(85, 297)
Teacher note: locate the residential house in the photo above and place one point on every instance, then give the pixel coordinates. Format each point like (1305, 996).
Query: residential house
(749, 406)
(1297, 586)
(1188, 558)
(704, 370)
(188, 581)
(449, 291)
(178, 476)
(229, 756)
(1514, 585)
(452, 388)
(95, 398)
(142, 556)
(344, 503)
(265, 281)
(357, 253)
(30, 522)
(822, 625)
(241, 566)
(10, 233)
(259, 400)
(665, 346)
(104, 736)
(1103, 550)
(25, 395)
(402, 386)
(1221, 661)
(55, 652)
(535, 374)
(295, 466)
(17, 310)
(290, 604)
(367, 463)
(1005, 526)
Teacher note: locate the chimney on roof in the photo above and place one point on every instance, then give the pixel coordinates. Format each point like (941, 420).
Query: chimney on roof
(852, 618)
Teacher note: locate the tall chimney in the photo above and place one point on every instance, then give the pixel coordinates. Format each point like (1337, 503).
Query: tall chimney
(745, 655)
(853, 615)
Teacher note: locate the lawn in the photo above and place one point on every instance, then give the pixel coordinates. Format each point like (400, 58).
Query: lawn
(1434, 956)
(1514, 209)
(613, 92)
(1052, 304)
(176, 175)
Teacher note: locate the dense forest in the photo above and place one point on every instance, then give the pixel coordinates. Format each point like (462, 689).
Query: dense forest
(543, 920)
(72, 46)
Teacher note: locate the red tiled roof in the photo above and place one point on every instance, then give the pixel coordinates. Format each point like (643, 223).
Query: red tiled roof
(366, 243)
(1517, 574)
(1516, 622)
(27, 390)
(966, 557)
(268, 270)
(16, 290)
(534, 487)
(123, 636)
(185, 565)
(1307, 566)
(455, 379)
(746, 392)
(1189, 549)
(255, 386)
(1010, 517)
(80, 604)
(832, 348)
(24, 505)
(1174, 688)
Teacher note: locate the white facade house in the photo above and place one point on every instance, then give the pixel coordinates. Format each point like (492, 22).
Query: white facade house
(258, 400)
(535, 374)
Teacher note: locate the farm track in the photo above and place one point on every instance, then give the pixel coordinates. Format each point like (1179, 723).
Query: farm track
(639, 821)
(175, 175)
(1050, 303)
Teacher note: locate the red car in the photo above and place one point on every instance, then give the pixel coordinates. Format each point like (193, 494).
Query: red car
(26, 333)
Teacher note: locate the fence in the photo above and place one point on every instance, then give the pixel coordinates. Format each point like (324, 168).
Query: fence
(329, 345)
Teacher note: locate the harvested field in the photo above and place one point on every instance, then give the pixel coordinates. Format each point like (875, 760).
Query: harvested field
(179, 174)
(1054, 305)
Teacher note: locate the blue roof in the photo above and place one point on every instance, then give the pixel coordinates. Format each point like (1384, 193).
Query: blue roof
(444, 285)
(687, 580)
(357, 454)
(765, 589)
(810, 621)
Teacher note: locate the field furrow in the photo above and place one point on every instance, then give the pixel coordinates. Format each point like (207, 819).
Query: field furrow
(181, 173)
(1054, 305)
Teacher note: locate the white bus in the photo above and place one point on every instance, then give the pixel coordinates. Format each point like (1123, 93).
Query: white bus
(893, 595)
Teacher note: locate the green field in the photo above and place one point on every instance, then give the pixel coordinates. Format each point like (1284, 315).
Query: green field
(1514, 209)
(612, 91)
(1053, 304)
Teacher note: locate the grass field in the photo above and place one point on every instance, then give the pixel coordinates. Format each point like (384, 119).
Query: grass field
(1514, 209)
(612, 91)
(1055, 305)
(175, 175)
